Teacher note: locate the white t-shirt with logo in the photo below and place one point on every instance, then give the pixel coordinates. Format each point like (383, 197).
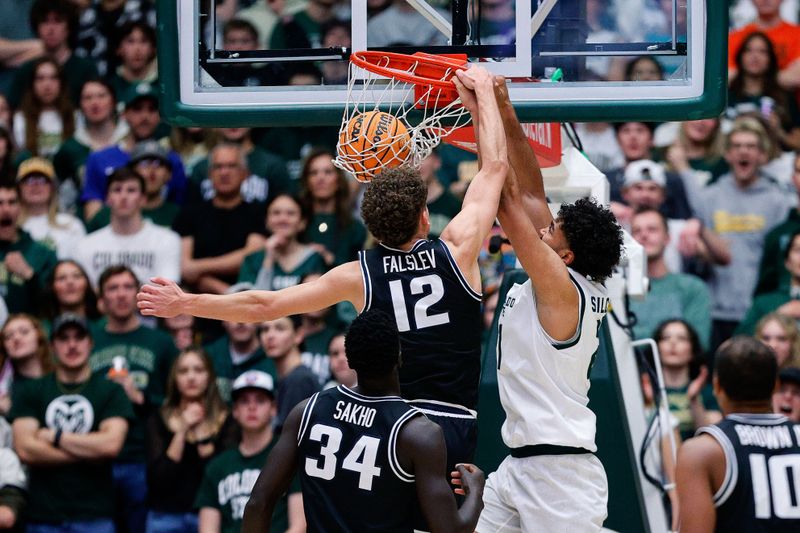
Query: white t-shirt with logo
(152, 251)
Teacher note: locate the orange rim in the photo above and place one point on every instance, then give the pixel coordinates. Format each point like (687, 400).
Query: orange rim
(419, 68)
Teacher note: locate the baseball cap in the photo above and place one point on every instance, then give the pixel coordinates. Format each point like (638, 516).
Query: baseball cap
(645, 170)
(68, 320)
(790, 375)
(36, 165)
(149, 150)
(253, 379)
(137, 92)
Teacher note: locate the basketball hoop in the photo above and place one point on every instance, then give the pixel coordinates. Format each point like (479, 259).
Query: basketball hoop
(416, 89)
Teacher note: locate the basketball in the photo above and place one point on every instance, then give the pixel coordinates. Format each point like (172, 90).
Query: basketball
(373, 141)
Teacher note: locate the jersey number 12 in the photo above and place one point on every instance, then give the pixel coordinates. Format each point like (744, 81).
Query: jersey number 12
(421, 317)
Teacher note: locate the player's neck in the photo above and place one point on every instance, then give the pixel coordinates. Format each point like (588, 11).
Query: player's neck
(750, 408)
(255, 441)
(385, 386)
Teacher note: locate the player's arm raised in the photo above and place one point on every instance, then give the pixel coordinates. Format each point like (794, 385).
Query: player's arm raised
(165, 299)
(466, 232)
(275, 477)
(557, 299)
(422, 442)
(524, 164)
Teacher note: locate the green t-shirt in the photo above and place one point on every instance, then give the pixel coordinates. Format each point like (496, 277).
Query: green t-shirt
(441, 211)
(24, 296)
(227, 484)
(315, 352)
(674, 296)
(679, 407)
(279, 278)
(343, 242)
(163, 215)
(149, 354)
(226, 370)
(77, 491)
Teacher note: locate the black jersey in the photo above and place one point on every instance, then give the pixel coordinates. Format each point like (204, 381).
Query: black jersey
(761, 489)
(352, 480)
(438, 316)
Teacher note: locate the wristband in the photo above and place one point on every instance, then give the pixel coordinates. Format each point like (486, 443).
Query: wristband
(57, 438)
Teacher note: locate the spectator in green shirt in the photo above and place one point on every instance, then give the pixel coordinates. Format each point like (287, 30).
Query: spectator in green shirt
(138, 358)
(68, 428)
(229, 477)
(284, 261)
(671, 295)
(25, 264)
(785, 299)
(326, 199)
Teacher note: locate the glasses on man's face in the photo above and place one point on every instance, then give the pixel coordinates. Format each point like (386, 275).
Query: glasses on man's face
(35, 179)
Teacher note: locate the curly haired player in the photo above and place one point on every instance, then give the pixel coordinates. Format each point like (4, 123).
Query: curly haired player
(431, 287)
(547, 337)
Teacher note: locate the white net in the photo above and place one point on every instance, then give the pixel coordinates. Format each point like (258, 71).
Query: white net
(426, 113)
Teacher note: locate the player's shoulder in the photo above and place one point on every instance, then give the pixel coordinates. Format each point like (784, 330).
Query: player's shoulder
(701, 451)
(419, 431)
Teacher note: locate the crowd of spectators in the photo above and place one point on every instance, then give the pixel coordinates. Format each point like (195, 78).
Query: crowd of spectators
(121, 421)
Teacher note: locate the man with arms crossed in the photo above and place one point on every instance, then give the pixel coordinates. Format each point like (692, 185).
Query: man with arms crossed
(742, 474)
(432, 288)
(547, 338)
(365, 455)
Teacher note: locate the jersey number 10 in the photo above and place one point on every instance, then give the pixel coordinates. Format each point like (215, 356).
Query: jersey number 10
(421, 317)
(774, 482)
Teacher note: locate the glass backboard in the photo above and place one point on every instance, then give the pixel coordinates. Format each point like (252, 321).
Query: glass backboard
(566, 60)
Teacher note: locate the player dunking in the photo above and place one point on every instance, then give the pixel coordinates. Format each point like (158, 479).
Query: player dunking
(742, 474)
(547, 338)
(431, 287)
(365, 456)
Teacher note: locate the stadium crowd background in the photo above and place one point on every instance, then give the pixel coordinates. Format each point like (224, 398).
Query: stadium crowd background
(97, 195)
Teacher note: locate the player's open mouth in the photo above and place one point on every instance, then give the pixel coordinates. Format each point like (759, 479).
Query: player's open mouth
(785, 409)
(6, 222)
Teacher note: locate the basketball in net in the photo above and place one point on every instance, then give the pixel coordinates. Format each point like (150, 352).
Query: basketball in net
(372, 141)
(398, 107)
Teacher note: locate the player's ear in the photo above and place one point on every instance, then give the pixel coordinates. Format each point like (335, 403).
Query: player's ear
(567, 256)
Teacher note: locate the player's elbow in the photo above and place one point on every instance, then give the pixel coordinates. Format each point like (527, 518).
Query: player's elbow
(496, 168)
(261, 308)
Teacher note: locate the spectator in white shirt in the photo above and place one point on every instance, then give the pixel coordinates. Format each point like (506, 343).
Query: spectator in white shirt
(40, 217)
(130, 240)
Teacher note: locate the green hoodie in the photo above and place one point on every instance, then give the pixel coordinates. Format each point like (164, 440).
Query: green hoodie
(23, 296)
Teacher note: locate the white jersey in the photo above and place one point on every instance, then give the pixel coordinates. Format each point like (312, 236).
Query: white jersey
(544, 384)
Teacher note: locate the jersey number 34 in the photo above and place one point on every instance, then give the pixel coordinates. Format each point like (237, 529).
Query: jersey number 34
(361, 458)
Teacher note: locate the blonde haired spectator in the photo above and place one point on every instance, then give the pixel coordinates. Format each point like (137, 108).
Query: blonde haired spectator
(780, 332)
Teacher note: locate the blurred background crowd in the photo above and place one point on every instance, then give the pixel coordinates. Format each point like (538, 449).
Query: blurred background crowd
(98, 195)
